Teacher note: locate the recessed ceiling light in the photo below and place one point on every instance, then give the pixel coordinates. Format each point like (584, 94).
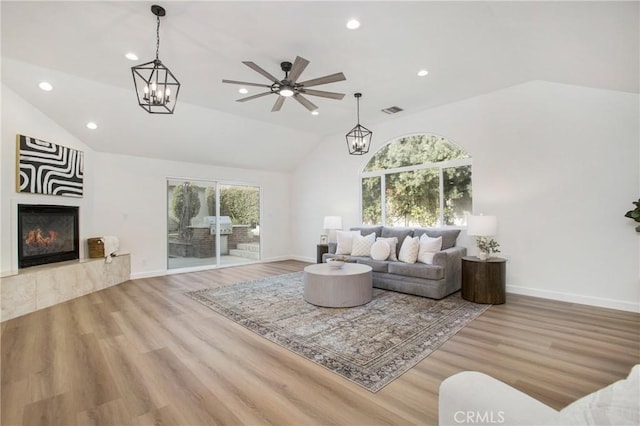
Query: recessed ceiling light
(422, 73)
(46, 86)
(243, 90)
(353, 24)
(316, 112)
(91, 125)
(131, 56)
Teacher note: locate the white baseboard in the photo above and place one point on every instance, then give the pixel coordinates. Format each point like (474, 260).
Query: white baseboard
(277, 259)
(576, 298)
(148, 274)
(303, 259)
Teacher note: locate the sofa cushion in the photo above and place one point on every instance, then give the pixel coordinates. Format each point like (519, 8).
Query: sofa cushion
(366, 230)
(449, 236)
(428, 248)
(409, 250)
(380, 250)
(399, 233)
(362, 245)
(345, 241)
(417, 270)
(376, 265)
(616, 404)
(393, 246)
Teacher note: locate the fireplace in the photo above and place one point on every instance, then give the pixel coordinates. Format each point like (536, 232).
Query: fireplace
(47, 234)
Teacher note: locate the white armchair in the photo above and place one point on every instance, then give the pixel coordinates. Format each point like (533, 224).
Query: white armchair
(472, 398)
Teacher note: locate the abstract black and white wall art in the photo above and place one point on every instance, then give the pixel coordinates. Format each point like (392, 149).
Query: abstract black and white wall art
(47, 168)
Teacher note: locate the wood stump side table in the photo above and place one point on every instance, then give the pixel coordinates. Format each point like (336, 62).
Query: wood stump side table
(320, 250)
(484, 281)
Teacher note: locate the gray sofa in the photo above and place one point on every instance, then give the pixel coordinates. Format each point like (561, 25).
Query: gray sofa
(435, 281)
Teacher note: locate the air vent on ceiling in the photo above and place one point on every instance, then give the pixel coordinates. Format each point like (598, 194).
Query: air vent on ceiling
(392, 110)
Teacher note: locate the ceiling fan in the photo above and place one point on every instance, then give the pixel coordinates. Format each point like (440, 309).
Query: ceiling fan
(289, 86)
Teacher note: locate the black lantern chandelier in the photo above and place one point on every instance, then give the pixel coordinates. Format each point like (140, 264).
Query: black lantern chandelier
(359, 138)
(156, 87)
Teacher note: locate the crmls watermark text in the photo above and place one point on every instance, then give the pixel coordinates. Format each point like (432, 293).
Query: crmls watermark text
(479, 417)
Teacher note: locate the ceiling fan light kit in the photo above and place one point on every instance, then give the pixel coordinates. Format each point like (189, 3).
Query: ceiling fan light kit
(289, 87)
(156, 87)
(359, 138)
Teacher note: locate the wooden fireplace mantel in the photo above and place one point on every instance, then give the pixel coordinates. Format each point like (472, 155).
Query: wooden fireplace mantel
(38, 287)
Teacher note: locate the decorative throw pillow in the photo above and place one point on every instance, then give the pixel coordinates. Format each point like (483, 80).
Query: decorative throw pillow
(345, 241)
(380, 250)
(361, 246)
(409, 250)
(393, 244)
(428, 248)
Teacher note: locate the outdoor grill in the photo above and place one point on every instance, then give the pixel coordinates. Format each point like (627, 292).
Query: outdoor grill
(225, 224)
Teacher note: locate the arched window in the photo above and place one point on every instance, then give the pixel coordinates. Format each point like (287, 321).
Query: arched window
(421, 180)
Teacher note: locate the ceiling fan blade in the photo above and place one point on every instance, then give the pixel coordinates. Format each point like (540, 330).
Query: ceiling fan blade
(298, 66)
(258, 69)
(305, 102)
(278, 104)
(322, 93)
(324, 80)
(245, 83)
(248, 98)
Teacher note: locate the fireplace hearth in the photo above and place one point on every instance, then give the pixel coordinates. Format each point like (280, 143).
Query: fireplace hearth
(47, 234)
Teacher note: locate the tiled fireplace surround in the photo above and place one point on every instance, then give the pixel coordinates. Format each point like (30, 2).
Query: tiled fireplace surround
(38, 287)
(26, 290)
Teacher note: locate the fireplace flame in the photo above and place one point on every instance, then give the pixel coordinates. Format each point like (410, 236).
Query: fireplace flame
(35, 238)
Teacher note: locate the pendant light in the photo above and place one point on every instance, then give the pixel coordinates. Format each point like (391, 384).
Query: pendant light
(359, 138)
(156, 86)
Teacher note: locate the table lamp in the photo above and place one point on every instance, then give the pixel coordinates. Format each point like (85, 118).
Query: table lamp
(331, 224)
(483, 227)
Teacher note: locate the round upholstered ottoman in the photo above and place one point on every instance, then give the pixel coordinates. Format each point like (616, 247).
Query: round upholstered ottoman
(338, 287)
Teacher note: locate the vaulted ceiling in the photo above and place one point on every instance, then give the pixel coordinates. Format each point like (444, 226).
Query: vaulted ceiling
(469, 48)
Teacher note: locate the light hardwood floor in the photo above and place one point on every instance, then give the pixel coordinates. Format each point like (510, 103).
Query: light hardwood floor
(142, 353)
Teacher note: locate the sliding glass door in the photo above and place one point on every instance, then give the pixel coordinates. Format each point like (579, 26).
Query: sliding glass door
(211, 223)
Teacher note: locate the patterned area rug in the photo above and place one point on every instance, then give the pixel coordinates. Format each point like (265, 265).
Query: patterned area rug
(370, 345)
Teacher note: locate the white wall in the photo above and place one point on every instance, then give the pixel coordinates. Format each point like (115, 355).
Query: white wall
(132, 204)
(559, 166)
(126, 196)
(20, 117)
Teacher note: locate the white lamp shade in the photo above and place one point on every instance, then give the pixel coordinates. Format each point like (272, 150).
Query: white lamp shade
(332, 222)
(482, 226)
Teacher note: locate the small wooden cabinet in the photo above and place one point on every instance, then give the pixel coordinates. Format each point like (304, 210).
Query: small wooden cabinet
(484, 281)
(320, 250)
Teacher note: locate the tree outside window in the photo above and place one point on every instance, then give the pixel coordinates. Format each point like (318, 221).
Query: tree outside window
(427, 182)
(371, 200)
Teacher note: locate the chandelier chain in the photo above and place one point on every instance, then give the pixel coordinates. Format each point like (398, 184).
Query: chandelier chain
(157, 37)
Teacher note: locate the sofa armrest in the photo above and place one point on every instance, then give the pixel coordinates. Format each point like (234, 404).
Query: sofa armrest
(475, 398)
(452, 255)
(451, 260)
(332, 248)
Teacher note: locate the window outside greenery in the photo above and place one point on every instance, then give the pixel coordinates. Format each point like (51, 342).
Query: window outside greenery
(427, 182)
(457, 194)
(193, 237)
(240, 203)
(371, 199)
